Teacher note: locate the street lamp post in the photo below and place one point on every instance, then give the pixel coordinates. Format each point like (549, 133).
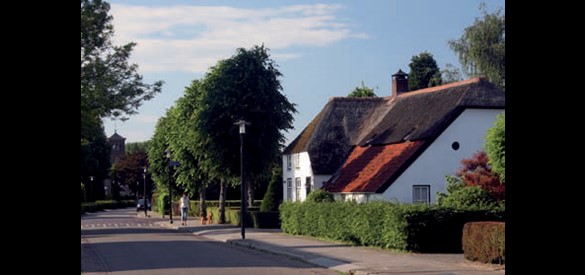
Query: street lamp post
(242, 124)
(91, 187)
(168, 155)
(145, 201)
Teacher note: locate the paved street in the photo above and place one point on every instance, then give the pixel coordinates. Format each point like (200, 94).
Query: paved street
(118, 242)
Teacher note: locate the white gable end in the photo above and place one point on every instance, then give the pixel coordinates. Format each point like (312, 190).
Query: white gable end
(467, 134)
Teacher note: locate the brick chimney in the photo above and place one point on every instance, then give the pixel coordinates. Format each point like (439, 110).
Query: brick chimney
(399, 83)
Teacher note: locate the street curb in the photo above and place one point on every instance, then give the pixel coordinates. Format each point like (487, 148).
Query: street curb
(329, 263)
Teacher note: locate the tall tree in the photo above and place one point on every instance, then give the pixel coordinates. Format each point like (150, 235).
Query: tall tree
(482, 47)
(110, 86)
(424, 72)
(495, 146)
(362, 91)
(245, 86)
(450, 74)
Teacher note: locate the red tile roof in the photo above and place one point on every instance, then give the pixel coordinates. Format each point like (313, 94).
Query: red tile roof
(367, 169)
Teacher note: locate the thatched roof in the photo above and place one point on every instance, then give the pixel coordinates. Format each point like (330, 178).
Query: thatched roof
(410, 124)
(417, 115)
(332, 133)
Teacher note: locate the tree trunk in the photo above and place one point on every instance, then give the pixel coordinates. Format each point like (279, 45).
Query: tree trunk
(250, 187)
(222, 194)
(202, 203)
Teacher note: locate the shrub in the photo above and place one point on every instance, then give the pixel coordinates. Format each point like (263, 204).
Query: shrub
(461, 196)
(269, 202)
(265, 219)
(108, 204)
(484, 242)
(418, 227)
(320, 195)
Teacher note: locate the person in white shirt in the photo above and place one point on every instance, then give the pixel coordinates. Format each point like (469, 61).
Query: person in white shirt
(184, 208)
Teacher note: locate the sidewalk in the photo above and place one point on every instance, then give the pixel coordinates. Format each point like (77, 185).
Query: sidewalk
(335, 256)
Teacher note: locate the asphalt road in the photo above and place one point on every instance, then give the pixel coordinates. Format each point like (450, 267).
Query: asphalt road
(117, 242)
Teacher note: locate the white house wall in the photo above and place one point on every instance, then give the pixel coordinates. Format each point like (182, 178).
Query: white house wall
(302, 172)
(439, 159)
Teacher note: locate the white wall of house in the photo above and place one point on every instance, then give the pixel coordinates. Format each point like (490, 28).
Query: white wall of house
(300, 170)
(440, 159)
(358, 197)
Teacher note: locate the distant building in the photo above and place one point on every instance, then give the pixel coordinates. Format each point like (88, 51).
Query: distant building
(117, 146)
(397, 148)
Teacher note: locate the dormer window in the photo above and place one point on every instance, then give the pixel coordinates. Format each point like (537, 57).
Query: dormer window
(297, 161)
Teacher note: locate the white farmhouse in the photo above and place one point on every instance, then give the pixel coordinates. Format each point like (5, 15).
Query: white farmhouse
(397, 148)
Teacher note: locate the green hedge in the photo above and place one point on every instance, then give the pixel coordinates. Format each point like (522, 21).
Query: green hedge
(109, 204)
(265, 219)
(485, 242)
(406, 227)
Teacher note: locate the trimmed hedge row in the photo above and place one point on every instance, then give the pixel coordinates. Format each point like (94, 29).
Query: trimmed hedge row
(406, 227)
(109, 204)
(485, 242)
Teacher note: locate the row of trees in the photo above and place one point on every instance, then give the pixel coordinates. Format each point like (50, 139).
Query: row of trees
(110, 87)
(480, 50)
(200, 133)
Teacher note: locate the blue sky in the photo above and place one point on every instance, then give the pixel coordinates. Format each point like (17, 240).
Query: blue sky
(323, 48)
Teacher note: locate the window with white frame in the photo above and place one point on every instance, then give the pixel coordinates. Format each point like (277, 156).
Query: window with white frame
(297, 161)
(288, 162)
(289, 189)
(421, 194)
(297, 189)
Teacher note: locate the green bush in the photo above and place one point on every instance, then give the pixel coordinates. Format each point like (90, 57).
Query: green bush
(269, 203)
(418, 227)
(265, 219)
(107, 204)
(484, 242)
(320, 195)
(462, 196)
(162, 203)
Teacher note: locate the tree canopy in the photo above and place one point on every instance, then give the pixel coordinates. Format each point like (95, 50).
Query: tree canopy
(362, 91)
(482, 47)
(110, 85)
(424, 72)
(495, 146)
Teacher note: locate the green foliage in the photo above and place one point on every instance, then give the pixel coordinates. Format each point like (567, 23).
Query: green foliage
(265, 219)
(482, 47)
(105, 204)
(271, 201)
(495, 146)
(110, 86)
(450, 74)
(245, 86)
(461, 196)
(424, 72)
(136, 147)
(83, 195)
(320, 195)
(411, 227)
(163, 203)
(485, 242)
(362, 91)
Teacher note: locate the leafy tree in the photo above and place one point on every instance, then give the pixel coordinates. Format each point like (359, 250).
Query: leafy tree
(94, 158)
(129, 172)
(110, 86)
(475, 171)
(482, 47)
(450, 74)
(362, 91)
(134, 147)
(459, 195)
(495, 146)
(244, 86)
(320, 195)
(424, 72)
(271, 201)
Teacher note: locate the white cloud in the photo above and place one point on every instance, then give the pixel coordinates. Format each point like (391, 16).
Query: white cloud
(193, 38)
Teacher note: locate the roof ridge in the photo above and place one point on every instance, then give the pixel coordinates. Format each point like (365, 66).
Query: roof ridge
(442, 87)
